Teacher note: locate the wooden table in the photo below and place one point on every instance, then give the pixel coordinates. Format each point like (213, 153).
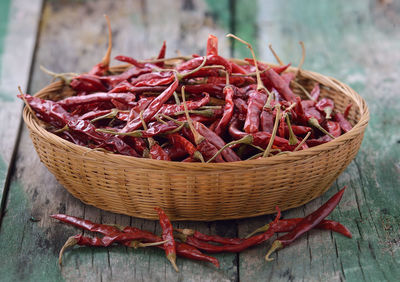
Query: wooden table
(357, 42)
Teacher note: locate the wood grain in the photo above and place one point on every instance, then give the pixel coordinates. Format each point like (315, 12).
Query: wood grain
(73, 38)
(352, 42)
(18, 29)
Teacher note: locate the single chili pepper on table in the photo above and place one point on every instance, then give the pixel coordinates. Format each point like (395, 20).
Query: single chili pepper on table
(306, 223)
(167, 235)
(287, 225)
(246, 243)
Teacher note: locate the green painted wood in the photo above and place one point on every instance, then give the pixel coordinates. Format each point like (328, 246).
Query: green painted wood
(18, 27)
(357, 43)
(73, 38)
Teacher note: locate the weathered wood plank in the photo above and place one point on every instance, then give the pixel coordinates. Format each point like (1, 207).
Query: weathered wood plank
(73, 38)
(352, 42)
(18, 26)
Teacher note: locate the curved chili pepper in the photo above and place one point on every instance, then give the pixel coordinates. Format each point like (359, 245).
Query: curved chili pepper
(88, 82)
(262, 66)
(179, 141)
(256, 102)
(210, 238)
(152, 108)
(167, 234)
(344, 123)
(267, 120)
(97, 97)
(228, 111)
(170, 109)
(234, 80)
(315, 92)
(325, 105)
(212, 45)
(333, 128)
(114, 80)
(125, 86)
(175, 152)
(161, 54)
(158, 153)
(246, 243)
(211, 60)
(228, 154)
(347, 111)
(212, 89)
(306, 224)
(153, 79)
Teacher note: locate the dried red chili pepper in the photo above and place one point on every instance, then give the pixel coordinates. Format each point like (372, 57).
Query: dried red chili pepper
(161, 54)
(333, 128)
(228, 111)
(211, 60)
(167, 234)
(344, 123)
(170, 109)
(246, 243)
(127, 98)
(306, 223)
(210, 238)
(347, 111)
(255, 105)
(325, 105)
(152, 108)
(212, 45)
(315, 92)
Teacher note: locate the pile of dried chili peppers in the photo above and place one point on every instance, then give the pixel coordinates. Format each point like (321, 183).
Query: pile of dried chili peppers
(191, 244)
(191, 109)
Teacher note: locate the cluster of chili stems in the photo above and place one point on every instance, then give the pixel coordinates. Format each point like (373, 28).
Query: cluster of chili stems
(191, 109)
(189, 243)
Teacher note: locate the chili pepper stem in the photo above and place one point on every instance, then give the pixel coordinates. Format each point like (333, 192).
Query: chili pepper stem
(71, 241)
(111, 114)
(197, 137)
(275, 55)
(65, 128)
(292, 137)
(303, 56)
(328, 112)
(62, 76)
(276, 245)
(302, 141)
(137, 244)
(304, 90)
(106, 59)
(314, 122)
(136, 133)
(258, 230)
(181, 76)
(186, 231)
(271, 140)
(248, 139)
(172, 259)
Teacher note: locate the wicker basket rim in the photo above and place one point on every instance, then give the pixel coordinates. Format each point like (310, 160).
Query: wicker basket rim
(284, 158)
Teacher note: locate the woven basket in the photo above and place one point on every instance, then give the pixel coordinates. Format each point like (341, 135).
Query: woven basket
(196, 191)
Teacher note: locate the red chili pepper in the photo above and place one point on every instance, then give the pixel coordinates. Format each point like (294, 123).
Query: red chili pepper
(210, 238)
(161, 54)
(215, 90)
(306, 224)
(228, 154)
(176, 152)
(181, 142)
(238, 69)
(88, 82)
(263, 66)
(182, 249)
(347, 111)
(127, 98)
(167, 234)
(228, 111)
(114, 80)
(256, 102)
(153, 79)
(234, 80)
(246, 243)
(158, 153)
(170, 109)
(212, 45)
(325, 105)
(126, 86)
(315, 92)
(152, 108)
(333, 128)
(344, 124)
(267, 120)
(211, 60)
(270, 77)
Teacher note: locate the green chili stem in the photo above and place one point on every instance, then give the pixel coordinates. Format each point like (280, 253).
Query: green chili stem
(177, 101)
(304, 90)
(248, 139)
(271, 141)
(136, 133)
(314, 122)
(258, 230)
(111, 114)
(197, 137)
(292, 137)
(302, 141)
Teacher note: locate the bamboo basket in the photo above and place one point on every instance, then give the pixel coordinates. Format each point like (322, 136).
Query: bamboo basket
(196, 191)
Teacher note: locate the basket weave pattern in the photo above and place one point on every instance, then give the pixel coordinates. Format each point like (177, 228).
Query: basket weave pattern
(195, 191)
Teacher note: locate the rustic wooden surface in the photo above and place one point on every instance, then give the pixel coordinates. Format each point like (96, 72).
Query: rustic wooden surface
(357, 42)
